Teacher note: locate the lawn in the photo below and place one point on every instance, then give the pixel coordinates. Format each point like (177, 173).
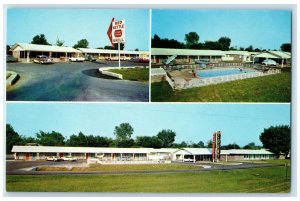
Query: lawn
(124, 168)
(257, 180)
(133, 74)
(272, 88)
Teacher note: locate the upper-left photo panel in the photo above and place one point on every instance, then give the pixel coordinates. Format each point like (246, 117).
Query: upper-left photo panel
(99, 55)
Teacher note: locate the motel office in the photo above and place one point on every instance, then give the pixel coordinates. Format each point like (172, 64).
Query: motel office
(137, 154)
(189, 56)
(25, 53)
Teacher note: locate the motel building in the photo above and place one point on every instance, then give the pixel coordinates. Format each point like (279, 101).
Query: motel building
(136, 155)
(189, 56)
(25, 53)
(104, 54)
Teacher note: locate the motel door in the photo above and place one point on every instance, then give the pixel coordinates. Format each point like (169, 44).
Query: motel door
(61, 155)
(157, 60)
(87, 156)
(27, 156)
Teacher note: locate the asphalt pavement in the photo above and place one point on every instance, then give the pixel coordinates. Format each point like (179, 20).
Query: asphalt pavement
(74, 81)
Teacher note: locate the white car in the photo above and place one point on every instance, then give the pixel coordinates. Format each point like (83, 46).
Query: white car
(188, 160)
(269, 62)
(42, 59)
(76, 59)
(69, 158)
(53, 158)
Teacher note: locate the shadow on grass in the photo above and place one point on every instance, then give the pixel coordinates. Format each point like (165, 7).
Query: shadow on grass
(95, 73)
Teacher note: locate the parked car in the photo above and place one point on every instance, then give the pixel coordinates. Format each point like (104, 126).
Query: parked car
(89, 58)
(76, 59)
(135, 59)
(69, 158)
(53, 158)
(42, 59)
(10, 58)
(269, 62)
(188, 160)
(143, 60)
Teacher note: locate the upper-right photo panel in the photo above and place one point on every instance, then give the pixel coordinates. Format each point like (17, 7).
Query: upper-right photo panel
(221, 56)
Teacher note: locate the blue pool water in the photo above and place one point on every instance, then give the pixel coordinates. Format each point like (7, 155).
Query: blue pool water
(221, 72)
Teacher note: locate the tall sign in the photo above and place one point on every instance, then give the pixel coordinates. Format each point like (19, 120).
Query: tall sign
(216, 146)
(118, 31)
(116, 34)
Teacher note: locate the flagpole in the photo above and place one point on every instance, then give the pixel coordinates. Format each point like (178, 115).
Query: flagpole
(119, 54)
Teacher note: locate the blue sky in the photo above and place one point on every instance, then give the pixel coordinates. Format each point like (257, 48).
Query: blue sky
(72, 25)
(265, 29)
(239, 123)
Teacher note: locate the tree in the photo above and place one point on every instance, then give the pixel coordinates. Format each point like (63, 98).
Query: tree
(8, 52)
(209, 144)
(200, 144)
(249, 49)
(40, 40)
(148, 141)
(286, 47)
(59, 42)
(230, 146)
(224, 43)
(191, 39)
(12, 138)
(251, 145)
(167, 137)
(157, 42)
(83, 43)
(122, 46)
(50, 139)
(277, 139)
(123, 134)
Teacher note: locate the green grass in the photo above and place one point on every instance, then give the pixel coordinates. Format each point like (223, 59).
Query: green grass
(133, 74)
(272, 88)
(122, 168)
(257, 180)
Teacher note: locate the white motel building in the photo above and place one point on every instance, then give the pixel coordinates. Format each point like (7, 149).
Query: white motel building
(106, 154)
(26, 52)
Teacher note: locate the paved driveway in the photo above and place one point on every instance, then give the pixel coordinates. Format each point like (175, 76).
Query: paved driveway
(73, 82)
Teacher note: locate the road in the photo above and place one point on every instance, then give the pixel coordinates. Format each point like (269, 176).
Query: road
(73, 81)
(17, 168)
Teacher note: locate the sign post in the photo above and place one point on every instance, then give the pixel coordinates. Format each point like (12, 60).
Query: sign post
(116, 34)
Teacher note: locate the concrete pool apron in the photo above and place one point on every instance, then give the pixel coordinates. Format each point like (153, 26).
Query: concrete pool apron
(215, 168)
(178, 82)
(72, 82)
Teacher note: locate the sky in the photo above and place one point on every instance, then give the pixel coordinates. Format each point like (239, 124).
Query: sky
(239, 123)
(72, 25)
(264, 29)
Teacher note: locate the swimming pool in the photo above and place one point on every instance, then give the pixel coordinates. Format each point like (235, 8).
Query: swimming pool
(221, 72)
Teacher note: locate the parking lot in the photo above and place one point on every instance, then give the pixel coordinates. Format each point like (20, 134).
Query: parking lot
(73, 81)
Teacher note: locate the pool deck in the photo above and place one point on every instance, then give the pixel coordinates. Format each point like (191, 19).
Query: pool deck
(184, 78)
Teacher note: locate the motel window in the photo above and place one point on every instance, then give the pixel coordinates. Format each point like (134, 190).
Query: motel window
(23, 54)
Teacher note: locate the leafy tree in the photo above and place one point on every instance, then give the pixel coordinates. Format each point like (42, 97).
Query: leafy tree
(286, 47)
(230, 146)
(249, 49)
(209, 144)
(108, 47)
(148, 141)
(251, 145)
(257, 50)
(200, 144)
(167, 137)
(59, 42)
(224, 43)
(83, 43)
(123, 131)
(157, 42)
(12, 138)
(191, 39)
(242, 49)
(50, 139)
(211, 45)
(277, 139)
(40, 40)
(8, 52)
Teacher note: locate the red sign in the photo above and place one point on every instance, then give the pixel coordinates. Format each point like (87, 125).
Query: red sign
(109, 31)
(118, 33)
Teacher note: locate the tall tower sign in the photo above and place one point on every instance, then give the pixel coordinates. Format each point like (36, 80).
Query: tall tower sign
(216, 144)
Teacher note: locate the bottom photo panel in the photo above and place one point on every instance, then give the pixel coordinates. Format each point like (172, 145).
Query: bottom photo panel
(149, 148)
